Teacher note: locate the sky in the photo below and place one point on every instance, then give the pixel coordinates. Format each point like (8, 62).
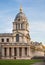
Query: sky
(34, 11)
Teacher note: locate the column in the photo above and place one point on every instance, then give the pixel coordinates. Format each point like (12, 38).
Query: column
(8, 52)
(28, 51)
(23, 51)
(12, 52)
(2, 52)
(18, 51)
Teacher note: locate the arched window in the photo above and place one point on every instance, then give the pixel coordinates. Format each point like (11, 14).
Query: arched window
(2, 40)
(7, 40)
(17, 38)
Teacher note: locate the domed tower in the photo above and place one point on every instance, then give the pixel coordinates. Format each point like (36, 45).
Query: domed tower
(20, 27)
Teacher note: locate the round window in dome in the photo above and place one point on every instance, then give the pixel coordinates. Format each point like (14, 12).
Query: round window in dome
(18, 19)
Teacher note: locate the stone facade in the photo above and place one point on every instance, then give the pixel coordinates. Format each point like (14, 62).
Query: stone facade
(16, 45)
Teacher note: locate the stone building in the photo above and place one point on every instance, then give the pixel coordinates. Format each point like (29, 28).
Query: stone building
(16, 45)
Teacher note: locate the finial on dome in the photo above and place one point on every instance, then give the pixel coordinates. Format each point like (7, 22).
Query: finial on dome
(21, 8)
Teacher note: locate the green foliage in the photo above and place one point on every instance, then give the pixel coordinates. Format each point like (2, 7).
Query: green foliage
(18, 62)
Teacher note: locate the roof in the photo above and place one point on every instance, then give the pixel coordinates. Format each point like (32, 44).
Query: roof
(5, 34)
(20, 15)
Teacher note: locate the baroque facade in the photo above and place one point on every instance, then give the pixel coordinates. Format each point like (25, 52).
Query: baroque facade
(17, 45)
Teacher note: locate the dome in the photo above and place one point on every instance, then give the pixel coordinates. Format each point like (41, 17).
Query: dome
(20, 15)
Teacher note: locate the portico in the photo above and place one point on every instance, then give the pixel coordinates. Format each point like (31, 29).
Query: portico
(15, 52)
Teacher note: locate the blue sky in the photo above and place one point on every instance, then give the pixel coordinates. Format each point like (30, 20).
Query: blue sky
(33, 9)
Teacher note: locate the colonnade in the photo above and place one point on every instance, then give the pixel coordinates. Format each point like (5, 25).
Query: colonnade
(15, 52)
